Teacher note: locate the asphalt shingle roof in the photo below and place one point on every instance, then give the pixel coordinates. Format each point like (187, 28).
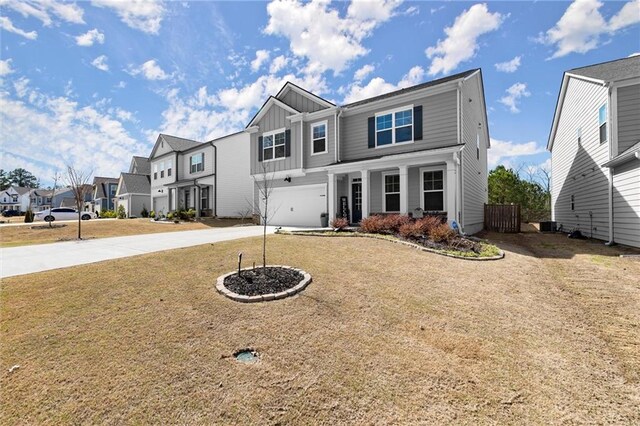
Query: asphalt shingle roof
(100, 184)
(620, 69)
(140, 165)
(135, 183)
(179, 144)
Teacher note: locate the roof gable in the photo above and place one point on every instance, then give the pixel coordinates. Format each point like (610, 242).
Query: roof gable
(291, 87)
(265, 107)
(173, 143)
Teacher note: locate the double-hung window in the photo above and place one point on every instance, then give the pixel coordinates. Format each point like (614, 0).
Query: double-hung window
(169, 164)
(391, 189)
(162, 170)
(319, 138)
(197, 162)
(433, 190)
(602, 123)
(394, 127)
(155, 171)
(273, 146)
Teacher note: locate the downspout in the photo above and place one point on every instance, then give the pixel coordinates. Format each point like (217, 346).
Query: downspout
(302, 143)
(337, 134)
(610, 141)
(215, 181)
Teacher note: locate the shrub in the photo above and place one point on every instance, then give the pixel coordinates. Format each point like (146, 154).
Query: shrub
(339, 223)
(191, 213)
(144, 212)
(108, 214)
(442, 234)
(122, 213)
(393, 222)
(372, 224)
(28, 216)
(170, 215)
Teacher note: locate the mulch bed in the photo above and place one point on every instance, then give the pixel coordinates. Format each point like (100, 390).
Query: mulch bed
(263, 281)
(53, 225)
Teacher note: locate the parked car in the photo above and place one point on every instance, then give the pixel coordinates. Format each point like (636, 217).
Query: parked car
(62, 213)
(10, 213)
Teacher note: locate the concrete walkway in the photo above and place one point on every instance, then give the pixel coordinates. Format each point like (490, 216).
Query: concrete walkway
(44, 257)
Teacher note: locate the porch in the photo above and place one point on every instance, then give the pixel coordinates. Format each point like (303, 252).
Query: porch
(191, 194)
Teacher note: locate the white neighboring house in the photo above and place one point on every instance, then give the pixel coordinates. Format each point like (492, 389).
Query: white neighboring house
(595, 152)
(212, 177)
(15, 198)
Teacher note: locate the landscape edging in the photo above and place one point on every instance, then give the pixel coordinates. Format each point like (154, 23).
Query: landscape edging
(306, 280)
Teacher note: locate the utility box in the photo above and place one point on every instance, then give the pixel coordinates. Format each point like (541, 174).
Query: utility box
(548, 226)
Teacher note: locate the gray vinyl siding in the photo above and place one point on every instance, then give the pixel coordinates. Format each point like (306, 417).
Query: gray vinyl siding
(184, 169)
(439, 125)
(274, 119)
(576, 167)
(628, 117)
(474, 171)
(311, 161)
(626, 204)
(301, 103)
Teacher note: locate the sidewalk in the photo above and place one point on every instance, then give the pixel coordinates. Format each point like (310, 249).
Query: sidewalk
(44, 257)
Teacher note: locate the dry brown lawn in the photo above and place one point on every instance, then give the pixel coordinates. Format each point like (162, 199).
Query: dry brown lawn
(12, 236)
(384, 335)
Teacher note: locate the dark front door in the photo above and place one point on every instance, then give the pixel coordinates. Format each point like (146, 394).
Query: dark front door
(356, 202)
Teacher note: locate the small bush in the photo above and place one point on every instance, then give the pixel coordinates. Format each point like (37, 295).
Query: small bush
(152, 215)
(372, 224)
(393, 222)
(442, 234)
(122, 213)
(339, 223)
(170, 215)
(144, 212)
(108, 214)
(191, 213)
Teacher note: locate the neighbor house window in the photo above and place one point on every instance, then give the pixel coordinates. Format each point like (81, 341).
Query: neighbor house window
(319, 138)
(15, 198)
(579, 135)
(433, 190)
(273, 146)
(478, 146)
(204, 198)
(394, 127)
(155, 171)
(169, 164)
(602, 122)
(391, 194)
(162, 170)
(197, 163)
(573, 203)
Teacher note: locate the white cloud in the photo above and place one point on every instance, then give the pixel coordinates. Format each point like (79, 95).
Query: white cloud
(580, 27)
(509, 66)
(7, 25)
(80, 135)
(378, 86)
(5, 67)
(461, 43)
(278, 64)
(502, 152)
(121, 85)
(42, 10)
(262, 56)
(90, 37)
(141, 15)
(363, 72)
(318, 33)
(634, 54)
(150, 70)
(514, 93)
(101, 63)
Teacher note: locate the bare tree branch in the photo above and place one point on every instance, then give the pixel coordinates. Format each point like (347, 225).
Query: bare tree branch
(78, 181)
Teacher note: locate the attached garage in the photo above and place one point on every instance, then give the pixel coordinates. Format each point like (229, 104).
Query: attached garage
(298, 205)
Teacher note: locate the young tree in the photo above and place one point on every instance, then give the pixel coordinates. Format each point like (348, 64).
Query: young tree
(78, 181)
(265, 187)
(22, 177)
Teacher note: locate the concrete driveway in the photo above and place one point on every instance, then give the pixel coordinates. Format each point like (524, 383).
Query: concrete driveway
(44, 257)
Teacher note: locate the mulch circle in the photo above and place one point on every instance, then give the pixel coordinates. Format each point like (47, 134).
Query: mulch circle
(258, 285)
(53, 225)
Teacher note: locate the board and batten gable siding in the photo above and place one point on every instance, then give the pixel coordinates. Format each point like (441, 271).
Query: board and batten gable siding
(628, 117)
(626, 203)
(300, 102)
(575, 168)
(235, 184)
(474, 170)
(439, 127)
(318, 160)
(184, 169)
(274, 119)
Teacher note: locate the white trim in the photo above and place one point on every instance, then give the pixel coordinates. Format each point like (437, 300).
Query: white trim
(281, 174)
(384, 192)
(589, 79)
(443, 169)
(393, 126)
(317, 99)
(272, 100)
(273, 147)
(326, 137)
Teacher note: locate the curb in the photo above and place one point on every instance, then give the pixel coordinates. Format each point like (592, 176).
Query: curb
(306, 280)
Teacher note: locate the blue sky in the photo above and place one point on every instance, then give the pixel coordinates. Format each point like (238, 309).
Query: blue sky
(92, 83)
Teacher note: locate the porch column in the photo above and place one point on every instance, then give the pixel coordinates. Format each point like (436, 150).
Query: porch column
(365, 193)
(197, 201)
(332, 196)
(451, 192)
(404, 189)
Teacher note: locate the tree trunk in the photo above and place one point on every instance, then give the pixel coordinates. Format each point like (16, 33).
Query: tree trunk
(264, 237)
(79, 225)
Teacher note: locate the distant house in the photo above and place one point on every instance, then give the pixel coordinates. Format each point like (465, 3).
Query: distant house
(134, 188)
(41, 199)
(15, 198)
(104, 193)
(595, 152)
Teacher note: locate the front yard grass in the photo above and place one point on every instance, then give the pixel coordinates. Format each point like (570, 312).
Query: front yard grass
(384, 334)
(12, 236)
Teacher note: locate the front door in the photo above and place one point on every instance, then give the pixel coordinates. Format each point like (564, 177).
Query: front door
(356, 202)
(187, 201)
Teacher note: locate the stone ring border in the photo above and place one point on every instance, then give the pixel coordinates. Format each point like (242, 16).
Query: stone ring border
(306, 280)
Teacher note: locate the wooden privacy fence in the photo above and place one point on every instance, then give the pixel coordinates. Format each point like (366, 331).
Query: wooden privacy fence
(502, 217)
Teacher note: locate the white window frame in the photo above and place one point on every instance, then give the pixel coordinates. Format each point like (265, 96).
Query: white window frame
(444, 186)
(162, 170)
(191, 163)
(273, 147)
(579, 133)
(155, 171)
(385, 193)
(605, 123)
(326, 137)
(169, 167)
(393, 126)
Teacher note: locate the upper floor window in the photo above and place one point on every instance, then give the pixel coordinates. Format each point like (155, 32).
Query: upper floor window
(579, 135)
(162, 170)
(15, 198)
(197, 162)
(48, 199)
(273, 146)
(169, 164)
(478, 146)
(602, 123)
(155, 171)
(319, 138)
(394, 127)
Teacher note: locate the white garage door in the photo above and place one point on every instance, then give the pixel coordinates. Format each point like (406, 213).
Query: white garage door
(298, 206)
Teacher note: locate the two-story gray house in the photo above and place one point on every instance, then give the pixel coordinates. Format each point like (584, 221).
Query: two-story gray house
(104, 193)
(134, 188)
(420, 150)
(210, 177)
(595, 152)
